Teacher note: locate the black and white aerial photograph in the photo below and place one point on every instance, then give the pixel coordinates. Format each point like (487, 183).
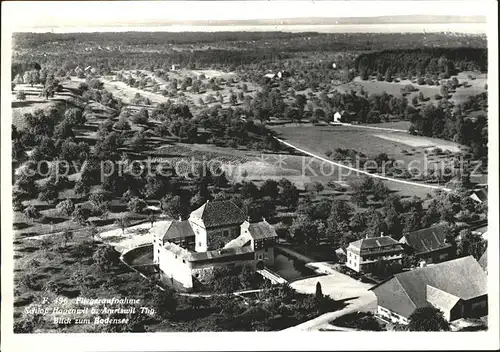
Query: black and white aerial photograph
(250, 166)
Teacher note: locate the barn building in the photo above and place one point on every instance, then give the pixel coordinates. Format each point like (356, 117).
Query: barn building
(457, 287)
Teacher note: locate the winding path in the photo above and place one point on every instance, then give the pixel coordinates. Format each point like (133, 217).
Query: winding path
(363, 172)
(316, 323)
(340, 287)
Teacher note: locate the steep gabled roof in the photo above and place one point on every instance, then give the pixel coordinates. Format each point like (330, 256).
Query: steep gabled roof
(261, 230)
(160, 228)
(483, 261)
(427, 240)
(463, 278)
(209, 255)
(391, 295)
(219, 213)
(240, 241)
(482, 194)
(370, 245)
(220, 253)
(441, 299)
(178, 229)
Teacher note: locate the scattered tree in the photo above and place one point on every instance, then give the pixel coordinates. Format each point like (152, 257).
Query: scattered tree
(428, 319)
(122, 222)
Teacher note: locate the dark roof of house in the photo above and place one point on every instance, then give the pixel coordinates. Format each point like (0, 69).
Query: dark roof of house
(402, 293)
(481, 229)
(178, 229)
(427, 240)
(369, 244)
(441, 299)
(204, 256)
(219, 213)
(261, 230)
(220, 253)
(483, 261)
(482, 194)
(240, 241)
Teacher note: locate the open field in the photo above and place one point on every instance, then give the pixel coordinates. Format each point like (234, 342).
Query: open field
(133, 236)
(426, 143)
(187, 96)
(406, 149)
(209, 73)
(372, 86)
(399, 125)
(400, 146)
(396, 126)
(32, 102)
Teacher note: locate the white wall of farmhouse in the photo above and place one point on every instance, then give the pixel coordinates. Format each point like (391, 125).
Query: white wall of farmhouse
(353, 260)
(357, 262)
(391, 316)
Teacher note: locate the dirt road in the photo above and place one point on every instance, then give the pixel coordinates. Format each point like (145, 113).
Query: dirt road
(362, 171)
(339, 287)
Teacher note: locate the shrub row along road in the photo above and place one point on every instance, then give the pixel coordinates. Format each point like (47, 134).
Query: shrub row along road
(364, 172)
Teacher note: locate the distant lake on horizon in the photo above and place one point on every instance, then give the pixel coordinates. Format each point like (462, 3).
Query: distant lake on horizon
(469, 28)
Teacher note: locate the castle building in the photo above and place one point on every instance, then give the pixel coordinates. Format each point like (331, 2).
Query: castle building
(215, 235)
(213, 220)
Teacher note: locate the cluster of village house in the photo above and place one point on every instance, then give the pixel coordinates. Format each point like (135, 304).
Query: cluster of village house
(185, 255)
(457, 287)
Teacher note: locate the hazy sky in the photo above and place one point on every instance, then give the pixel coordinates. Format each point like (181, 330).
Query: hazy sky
(56, 13)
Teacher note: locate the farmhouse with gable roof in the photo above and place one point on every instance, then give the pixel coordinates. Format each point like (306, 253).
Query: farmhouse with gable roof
(428, 244)
(457, 287)
(362, 255)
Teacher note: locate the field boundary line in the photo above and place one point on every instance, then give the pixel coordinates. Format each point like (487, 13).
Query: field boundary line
(372, 127)
(361, 171)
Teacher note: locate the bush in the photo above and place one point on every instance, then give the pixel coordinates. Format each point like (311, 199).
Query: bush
(137, 205)
(106, 256)
(66, 207)
(31, 213)
(359, 321)
(437, 151)
(428, 319)
(141, 117)
(122, 125)
(21, 95)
